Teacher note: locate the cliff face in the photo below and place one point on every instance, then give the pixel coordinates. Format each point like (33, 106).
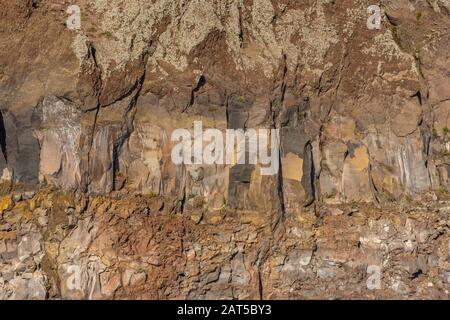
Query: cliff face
(94, 207)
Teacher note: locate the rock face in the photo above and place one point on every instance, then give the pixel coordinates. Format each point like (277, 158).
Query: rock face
(93, 207)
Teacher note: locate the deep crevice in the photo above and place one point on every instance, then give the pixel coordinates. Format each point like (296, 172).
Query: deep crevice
(3, 137)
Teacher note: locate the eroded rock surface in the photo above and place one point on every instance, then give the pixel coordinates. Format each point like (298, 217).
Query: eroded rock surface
(93, 207)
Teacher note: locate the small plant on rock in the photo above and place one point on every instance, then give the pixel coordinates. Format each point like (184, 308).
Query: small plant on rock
(241, 99)
(418, 15)
(434, 133)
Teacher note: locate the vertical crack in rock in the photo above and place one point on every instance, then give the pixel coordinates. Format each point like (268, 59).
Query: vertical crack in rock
(85, 177)
(275, 106)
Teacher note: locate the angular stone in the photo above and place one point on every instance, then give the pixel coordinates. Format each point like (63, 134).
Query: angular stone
(407, 120)
(29, 245)
(355, 175)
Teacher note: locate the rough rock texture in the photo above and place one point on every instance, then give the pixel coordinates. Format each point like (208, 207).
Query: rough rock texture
(93, 207)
